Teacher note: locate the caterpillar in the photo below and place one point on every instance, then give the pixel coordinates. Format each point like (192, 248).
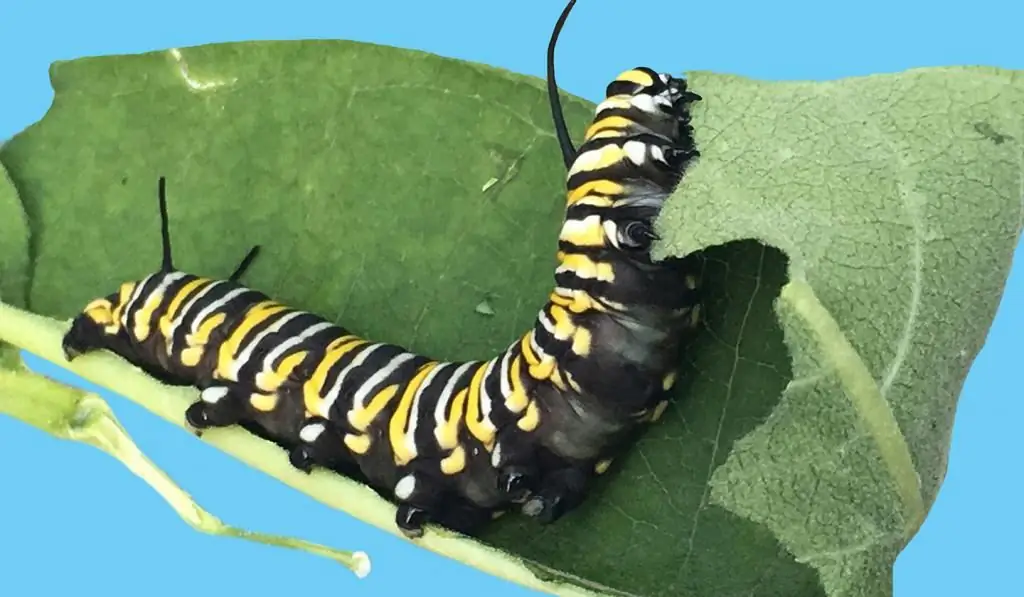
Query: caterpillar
(454, 443)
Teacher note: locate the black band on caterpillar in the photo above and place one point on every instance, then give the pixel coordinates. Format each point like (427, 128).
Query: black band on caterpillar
(453, 443)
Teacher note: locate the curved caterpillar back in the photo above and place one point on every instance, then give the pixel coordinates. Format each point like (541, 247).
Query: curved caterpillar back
(453, 443)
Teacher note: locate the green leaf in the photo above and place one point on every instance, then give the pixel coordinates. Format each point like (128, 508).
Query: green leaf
(396, 192)
(14, 257)
(898, 200)
(14, 247)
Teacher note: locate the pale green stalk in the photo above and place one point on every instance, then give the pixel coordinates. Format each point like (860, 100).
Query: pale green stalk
(75, 415)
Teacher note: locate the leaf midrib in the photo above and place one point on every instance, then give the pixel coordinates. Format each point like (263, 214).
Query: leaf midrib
(860, 387)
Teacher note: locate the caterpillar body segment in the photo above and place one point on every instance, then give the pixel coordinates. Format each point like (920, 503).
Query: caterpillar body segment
(535, 423)
(454, 443)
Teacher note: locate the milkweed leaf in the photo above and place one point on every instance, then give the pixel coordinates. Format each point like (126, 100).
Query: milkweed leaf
(856, 236)
(14, 244)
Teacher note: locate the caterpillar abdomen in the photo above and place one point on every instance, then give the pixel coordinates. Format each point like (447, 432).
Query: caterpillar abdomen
(454, 443)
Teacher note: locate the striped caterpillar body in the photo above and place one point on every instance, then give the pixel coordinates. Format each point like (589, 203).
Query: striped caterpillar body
(453, 443)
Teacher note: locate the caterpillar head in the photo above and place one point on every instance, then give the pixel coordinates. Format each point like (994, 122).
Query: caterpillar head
(98, 326)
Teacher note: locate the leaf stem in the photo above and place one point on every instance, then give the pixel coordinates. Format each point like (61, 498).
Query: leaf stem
(42, 336)
(71, 414)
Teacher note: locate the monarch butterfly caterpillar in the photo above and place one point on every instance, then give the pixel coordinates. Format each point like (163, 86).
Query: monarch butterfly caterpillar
(454, 443)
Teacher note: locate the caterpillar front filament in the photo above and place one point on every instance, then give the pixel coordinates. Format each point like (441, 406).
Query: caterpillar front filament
(454, 442)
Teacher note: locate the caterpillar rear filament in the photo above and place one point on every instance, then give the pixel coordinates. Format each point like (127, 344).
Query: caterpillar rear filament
(454, 443)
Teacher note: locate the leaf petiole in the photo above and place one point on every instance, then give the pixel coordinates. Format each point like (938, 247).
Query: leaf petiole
(71, 414)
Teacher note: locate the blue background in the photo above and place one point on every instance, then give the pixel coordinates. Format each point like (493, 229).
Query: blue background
(71, 516)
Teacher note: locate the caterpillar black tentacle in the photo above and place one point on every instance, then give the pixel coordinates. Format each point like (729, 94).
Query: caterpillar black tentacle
(455, 443)
(243, 266)
(561, 131)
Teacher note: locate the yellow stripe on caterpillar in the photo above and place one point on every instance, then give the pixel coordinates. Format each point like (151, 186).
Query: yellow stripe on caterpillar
(615, 102)
(527, 349)
(99, 311)
(196, 343)
(544, 369)
(576, 300)
(448, 408)
(191, 356)
(447, 435)
(175, 305)
(269, 380)
(202, 335)
(596, 201)
(605, 188)
(559, 300)
(455, 462)
(564, 326)
(360, 418)
(259, 313)
(535, 347)
(312, 389)
(615, 125)
(517, 399)
(587, 232)
(529, 421)
(124, 294)
(581, 341)
(639, 77)
(580, 301)
(474, 422)
(358, 443)
(263, 402)
(403, 451)
(598, 159)
(609, 134)
(585, 267)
